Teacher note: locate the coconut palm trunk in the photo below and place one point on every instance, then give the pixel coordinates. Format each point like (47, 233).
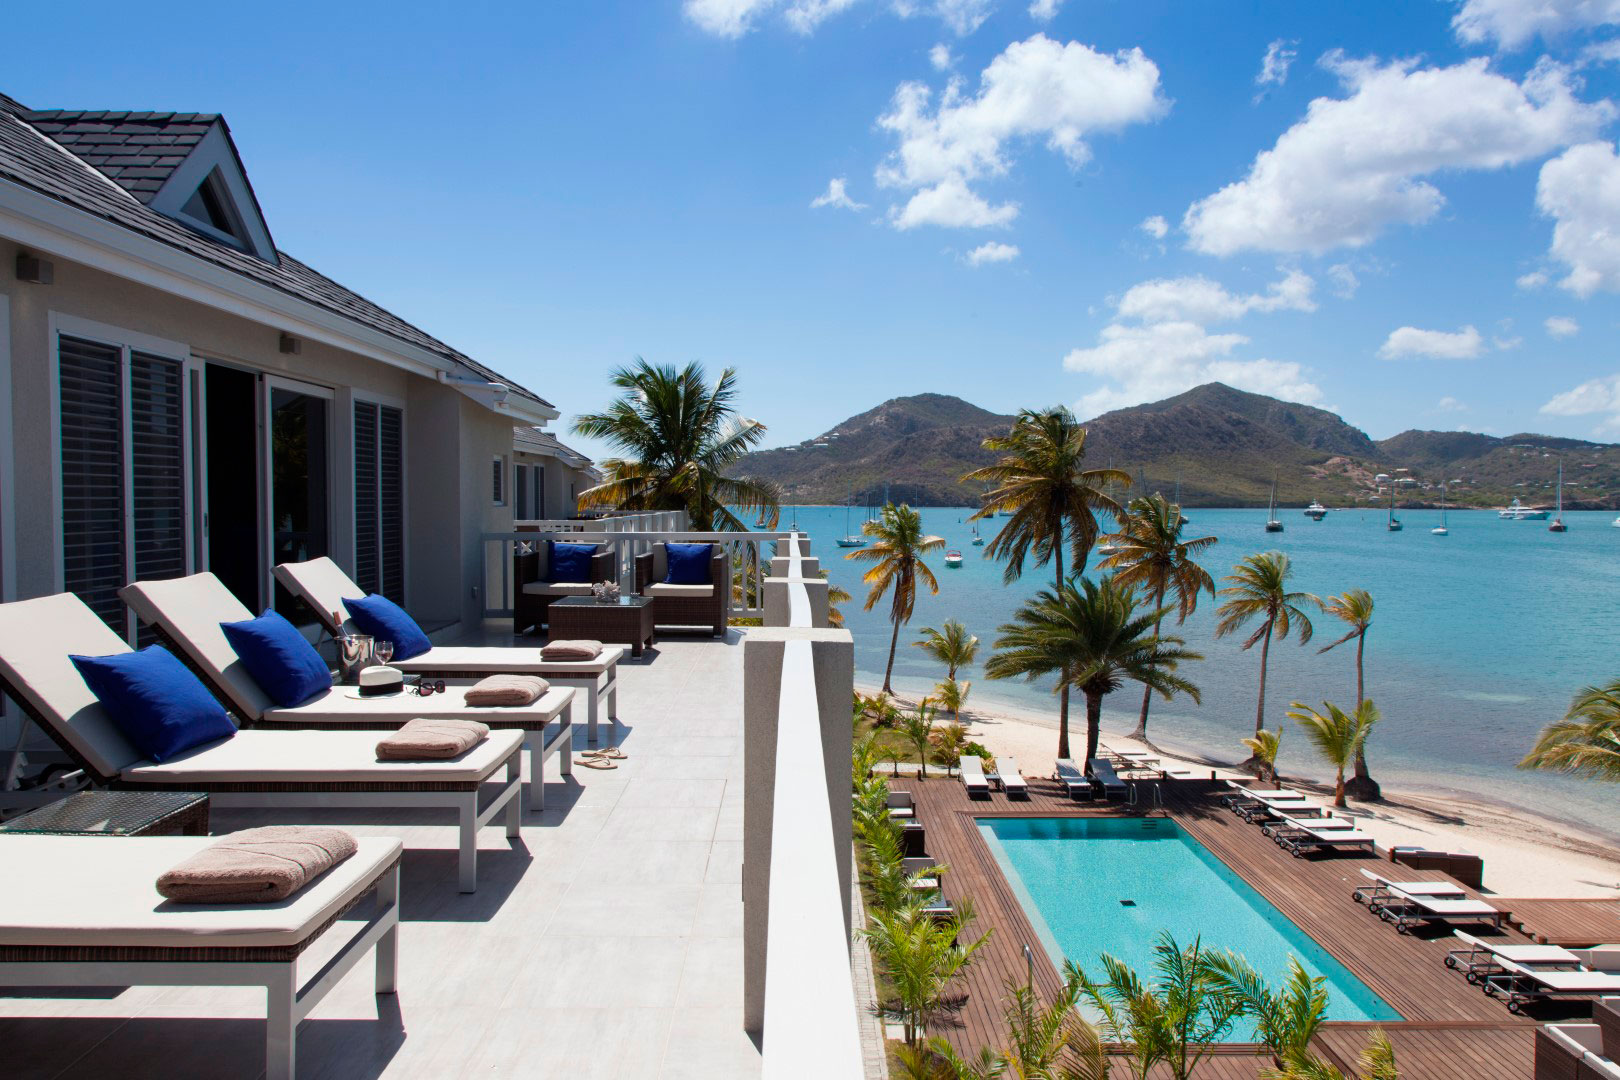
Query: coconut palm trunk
(1265, 656)
(894, 642)
(1147, 691)
(1093, 724)
(1362, 786)
(1063, 722)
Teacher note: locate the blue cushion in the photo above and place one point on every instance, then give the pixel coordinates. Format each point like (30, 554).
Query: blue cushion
(688, 563)
(281, 661)
(386, 621)
(160, 706)
(570, 562)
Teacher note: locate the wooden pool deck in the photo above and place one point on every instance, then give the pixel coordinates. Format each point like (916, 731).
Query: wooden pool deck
(1450, 1029)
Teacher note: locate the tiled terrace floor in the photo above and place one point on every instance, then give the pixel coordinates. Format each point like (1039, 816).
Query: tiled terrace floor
(607, 943)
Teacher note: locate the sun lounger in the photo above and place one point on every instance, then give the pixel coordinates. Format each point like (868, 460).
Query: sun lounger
(1519, 985)
(1073, 780)
(1102, 772)
(1286, 824)
(971, 769)
(1305, 837)
(1379, 891)
(1479, 959)
(186, 613)
(1407, 910)
(1260, 811)
(257, 767)
(81, 912)
(924, 870)
(902, 805)
(322, 585)
(1012, 780)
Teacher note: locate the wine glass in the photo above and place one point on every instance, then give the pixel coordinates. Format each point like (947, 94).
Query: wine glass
(385, 651)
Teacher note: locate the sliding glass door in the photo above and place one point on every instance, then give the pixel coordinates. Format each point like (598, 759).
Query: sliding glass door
(300, 477)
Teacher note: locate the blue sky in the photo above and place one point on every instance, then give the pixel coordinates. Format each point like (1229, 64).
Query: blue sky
(1414, 221)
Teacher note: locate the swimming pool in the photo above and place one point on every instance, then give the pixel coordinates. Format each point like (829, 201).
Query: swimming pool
(1095, 885)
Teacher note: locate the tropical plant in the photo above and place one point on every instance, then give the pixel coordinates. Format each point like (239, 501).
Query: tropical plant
(680, 437)
(920, 954)
(1044, 1041)
(1586, 742)
(1376, 1062)
(865, 757)
(1336, 734)
(918, 726)
(1259, 589)
(1093, 637)
(1355, 608)
(1149, 553)
(1172, 1020)
(951, 645)
(1054, 501)
(898, 546)
(950, 743)
(836, 595)
(1263, 746)
(952, 695)
(1285, 1020)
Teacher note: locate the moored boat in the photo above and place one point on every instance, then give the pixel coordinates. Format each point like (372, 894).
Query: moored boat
(1441, 530)
(1558, 525)
(1272, 524)
(1316, 511)
(953, 558)
(1517, 511)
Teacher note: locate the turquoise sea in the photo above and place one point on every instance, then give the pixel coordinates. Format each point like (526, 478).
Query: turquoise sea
(1480, 638)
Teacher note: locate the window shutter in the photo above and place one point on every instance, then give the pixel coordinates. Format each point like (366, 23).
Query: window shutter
(499, 494)
(391, 470)
(157, 460)
(367, 569)
(92, 455)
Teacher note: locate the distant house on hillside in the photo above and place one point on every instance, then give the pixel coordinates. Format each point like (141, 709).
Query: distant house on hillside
(547, 476)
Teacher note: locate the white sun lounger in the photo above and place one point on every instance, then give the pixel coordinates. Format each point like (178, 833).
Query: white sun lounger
(255, 767)
(1406, 910)
(1518, 985)
(1102, 771)
(1286, 824)
(186, 613)
(1267, 810)
(1012, 780)
(82, 912)
(1478, 959)
(1379, 890)
(1305, 837)
(971, 769)
(322, 585)
(1073, 780)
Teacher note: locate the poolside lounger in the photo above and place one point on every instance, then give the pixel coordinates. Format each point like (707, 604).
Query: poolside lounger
(1105, 776)
(1379, 891)
(1073, 780)
(902, 805)
(1519, 985)
(1306, 837)
(924, 870)
(1286, 824)
(81, 912)
(1406, 910)
(322, 585)
(186, 613)
(1012, 780)
(1478, 959)
(1260, 811)
(971, 769)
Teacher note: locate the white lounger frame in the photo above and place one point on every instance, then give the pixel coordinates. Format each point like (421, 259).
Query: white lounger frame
(287, 1003)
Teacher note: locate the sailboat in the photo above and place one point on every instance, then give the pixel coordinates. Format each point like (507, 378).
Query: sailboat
(1441, 530)
(849, 539)
(1394, 523)
(1558, 522)
(978, 541)
(1272, 524)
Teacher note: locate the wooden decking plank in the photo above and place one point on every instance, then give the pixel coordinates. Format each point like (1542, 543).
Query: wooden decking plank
(1574, 923)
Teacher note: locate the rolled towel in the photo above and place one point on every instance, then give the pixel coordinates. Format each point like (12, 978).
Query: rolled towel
(431, 740)
(507, 690)
(571, 650)
(256, 866)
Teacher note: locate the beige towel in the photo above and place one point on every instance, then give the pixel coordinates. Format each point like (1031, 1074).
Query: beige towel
(507, 690)
(571, 650)
(426, 740)
(256, 866)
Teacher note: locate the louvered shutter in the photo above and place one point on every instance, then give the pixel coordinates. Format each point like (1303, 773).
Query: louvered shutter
(92, 454)
(391, 501)
(157, 466)
(367, 563)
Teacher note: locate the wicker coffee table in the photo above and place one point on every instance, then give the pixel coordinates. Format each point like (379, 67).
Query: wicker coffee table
(118, 813)
(626, 621)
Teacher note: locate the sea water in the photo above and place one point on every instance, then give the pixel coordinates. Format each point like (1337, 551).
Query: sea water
(1478, 639)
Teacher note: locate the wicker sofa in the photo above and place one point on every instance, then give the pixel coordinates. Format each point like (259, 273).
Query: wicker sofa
(685, 605)
(534, 593)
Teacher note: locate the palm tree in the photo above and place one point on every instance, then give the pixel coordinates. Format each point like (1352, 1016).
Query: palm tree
(836, 594)
(918, 726)
(1044, 1042)
(920, 955)
(1093, 637)
(680, 437)
(1285, 1020)
(1586, 742)
(951, 645)
(1355, 607)
(898, 547)
(1336, 734)
(1053, 499)
(1263, 746)
(1259, 587)
(1376, 1062)
(1150, 554)
(952, 696)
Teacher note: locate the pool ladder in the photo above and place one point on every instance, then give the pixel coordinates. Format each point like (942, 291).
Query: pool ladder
(1155, 801)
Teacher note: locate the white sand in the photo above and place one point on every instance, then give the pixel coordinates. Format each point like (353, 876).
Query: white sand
(1526, 854)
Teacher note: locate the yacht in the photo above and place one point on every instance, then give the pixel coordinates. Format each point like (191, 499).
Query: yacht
(1558, 525)
(953, 558)
(1440, 529)
(1316, 511)
(978, 541)
(1394, 523)
(1516, 511)
(849, 539)
(1272, 524)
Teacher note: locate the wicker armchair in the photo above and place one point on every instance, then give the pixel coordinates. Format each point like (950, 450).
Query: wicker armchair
(686, 605)
(535, 593)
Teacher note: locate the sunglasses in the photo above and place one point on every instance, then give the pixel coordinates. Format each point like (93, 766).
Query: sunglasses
(425, 688)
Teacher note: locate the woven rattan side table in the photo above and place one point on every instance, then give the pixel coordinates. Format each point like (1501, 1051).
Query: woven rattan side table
(118, 813)
(626, 621)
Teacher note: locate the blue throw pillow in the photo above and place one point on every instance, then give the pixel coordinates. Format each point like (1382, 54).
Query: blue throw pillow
(386, 621)
(570, 562)
(688, 563)
(160, 706)
(283, 663)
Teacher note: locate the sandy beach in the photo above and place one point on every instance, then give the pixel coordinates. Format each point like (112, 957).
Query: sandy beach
(1525, 854)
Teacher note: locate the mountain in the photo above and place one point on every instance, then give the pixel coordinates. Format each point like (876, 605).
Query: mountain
(1221, 446)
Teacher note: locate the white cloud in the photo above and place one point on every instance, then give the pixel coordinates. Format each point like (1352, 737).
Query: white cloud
(1561, 327)
(1200, 300)
(805, 15)
(962, 16)
(1580, 191)
(1535, 279)
(940, 57)
(1155, 226)
(726, 18)
(1342, 281)
(836, 196)
(734, 18)
(1034, 89)
(992, 252)
(1503, 344)
(1451, 404)
(1602, 52)
(1596, 396)
(1356, 164)
(1044, 10)
(1275, 64)
(1464, 344)
(1512, 23)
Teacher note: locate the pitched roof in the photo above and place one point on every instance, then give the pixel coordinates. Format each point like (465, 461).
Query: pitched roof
(136, 150)
(38, 161)
(531, 440)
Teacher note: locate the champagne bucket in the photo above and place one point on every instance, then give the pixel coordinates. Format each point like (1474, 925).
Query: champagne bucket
(355, 651)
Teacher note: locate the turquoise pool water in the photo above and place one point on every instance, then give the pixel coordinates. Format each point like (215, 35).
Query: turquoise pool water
(1095, 885)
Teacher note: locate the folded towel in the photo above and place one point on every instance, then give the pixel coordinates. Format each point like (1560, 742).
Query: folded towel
(507, 690)
(571, 650)
(427, 740)
(256, 866)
